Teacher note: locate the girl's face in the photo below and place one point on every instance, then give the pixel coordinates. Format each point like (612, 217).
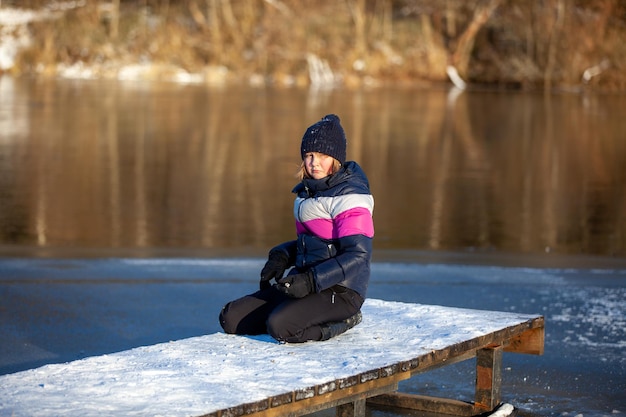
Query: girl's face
(318, 165)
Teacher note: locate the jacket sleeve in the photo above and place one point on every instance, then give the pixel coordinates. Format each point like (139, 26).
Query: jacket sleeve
(288, 248)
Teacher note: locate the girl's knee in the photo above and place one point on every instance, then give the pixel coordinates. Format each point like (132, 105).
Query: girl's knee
(229, 326)
(280, 330)
(275, 327)
(287, 331)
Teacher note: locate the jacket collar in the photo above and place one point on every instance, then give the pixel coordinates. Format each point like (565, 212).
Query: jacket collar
(311, 186)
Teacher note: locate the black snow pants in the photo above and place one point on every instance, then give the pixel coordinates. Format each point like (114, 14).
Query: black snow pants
(286, 319)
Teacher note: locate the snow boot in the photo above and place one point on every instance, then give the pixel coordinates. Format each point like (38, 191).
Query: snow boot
(335, 328)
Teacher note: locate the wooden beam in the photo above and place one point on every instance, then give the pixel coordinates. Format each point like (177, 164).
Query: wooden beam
(352, 409)
(423, 403)
(488, 378)
(355, 394)
(530, 342)
(487, 396)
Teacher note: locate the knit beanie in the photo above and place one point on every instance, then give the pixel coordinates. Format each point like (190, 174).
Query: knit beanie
(327, 137)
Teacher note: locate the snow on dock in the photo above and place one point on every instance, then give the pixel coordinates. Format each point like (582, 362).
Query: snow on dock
(217, 372)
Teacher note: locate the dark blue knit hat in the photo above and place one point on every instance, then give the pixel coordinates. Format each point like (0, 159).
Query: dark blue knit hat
(327, 137)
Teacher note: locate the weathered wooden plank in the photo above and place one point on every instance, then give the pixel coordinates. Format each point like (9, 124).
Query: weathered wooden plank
(350, 394)
(530, 342)
(281, 399)
(423, 403)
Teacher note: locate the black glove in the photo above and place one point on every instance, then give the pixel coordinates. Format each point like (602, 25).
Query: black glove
(277, 263)
(297, 285)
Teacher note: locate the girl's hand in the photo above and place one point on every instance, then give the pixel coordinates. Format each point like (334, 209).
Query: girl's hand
(274, 268)
(297, 285)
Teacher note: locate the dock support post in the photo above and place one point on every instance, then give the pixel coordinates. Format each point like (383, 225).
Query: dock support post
(351, 409)
(488, 378)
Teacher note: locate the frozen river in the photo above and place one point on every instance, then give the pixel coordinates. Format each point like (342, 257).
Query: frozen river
(57, 310)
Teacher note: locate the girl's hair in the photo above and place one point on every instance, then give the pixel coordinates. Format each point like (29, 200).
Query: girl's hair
(302, 174)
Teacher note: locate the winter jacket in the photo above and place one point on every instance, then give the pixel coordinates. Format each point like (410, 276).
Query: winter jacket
(335, 228)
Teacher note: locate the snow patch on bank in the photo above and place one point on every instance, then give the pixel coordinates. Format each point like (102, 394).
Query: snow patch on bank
(14, 33)
(15, 37)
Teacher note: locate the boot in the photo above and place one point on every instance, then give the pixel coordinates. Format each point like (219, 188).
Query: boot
(335, 328)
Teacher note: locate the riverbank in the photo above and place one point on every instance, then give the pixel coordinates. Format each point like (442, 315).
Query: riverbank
(334, 44)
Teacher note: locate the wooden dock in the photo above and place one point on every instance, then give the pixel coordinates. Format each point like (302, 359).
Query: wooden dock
(221, 375)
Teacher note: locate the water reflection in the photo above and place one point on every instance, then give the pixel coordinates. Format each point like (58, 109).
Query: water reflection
(105, 164)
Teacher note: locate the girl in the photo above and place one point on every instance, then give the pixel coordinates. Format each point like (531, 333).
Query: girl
(321, 296)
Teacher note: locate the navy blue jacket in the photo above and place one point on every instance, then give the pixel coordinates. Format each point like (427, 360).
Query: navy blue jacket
(335, 229)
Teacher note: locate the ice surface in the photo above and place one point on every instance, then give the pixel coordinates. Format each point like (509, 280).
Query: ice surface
(59, 310)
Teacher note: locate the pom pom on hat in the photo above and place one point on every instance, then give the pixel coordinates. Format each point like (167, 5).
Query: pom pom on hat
(327, 137)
